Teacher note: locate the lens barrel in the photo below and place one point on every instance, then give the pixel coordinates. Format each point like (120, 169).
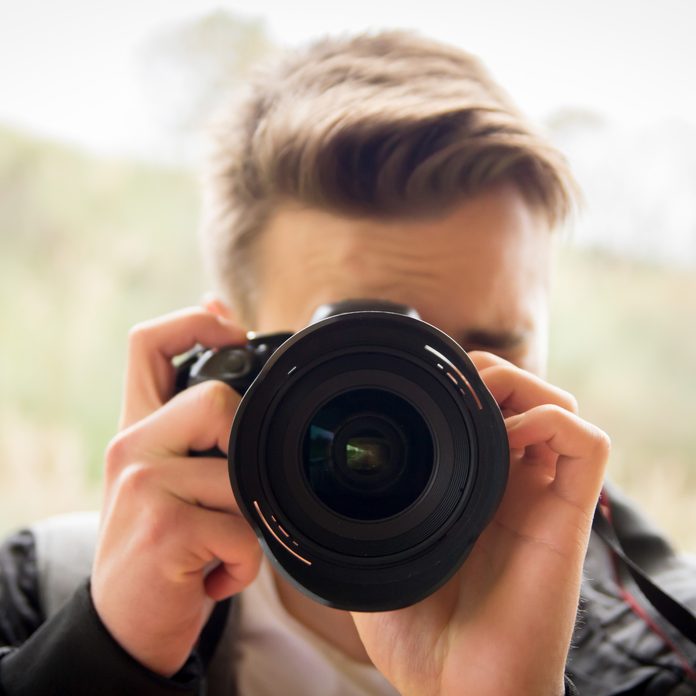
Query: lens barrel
(368, 456)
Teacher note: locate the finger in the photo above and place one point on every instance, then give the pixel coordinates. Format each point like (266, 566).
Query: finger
(196, 419)
(542, 457)
(152, 345)
(517, 391)
(230, 540)
(482, 359)
(202, 481)
(582, 449)
(184, 540)
(214, 304)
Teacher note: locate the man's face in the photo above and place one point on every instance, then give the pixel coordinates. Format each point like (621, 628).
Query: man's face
(480, 273)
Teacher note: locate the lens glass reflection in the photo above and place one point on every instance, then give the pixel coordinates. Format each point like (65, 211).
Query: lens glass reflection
(367, 454)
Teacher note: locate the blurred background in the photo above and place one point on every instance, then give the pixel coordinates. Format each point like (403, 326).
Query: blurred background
(101, 106)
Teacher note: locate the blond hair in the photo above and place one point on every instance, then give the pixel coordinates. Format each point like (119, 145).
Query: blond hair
(383, 126)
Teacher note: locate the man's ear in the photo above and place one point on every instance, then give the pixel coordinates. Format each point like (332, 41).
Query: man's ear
(214, 304)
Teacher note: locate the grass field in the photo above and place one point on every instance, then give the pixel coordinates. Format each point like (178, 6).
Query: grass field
(89, 247)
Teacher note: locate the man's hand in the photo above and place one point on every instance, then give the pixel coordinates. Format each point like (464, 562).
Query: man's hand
(503, 624)
(172, 540)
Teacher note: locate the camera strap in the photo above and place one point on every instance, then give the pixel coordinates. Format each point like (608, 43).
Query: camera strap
(672, 610)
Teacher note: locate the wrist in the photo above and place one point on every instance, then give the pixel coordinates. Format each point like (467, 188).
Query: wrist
(73, 653)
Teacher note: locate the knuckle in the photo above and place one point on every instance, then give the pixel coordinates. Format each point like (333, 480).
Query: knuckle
(215, 397)
(602, 443)
(499, 375)
(157, 525)
(552, 411)
(118, 454)
(502, 369)
(250, 569)
(571, 403)
(138, 333)
(243, 547)
(137, 479)
(482, 358)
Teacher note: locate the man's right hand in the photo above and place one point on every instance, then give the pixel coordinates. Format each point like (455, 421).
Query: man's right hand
(172, 540)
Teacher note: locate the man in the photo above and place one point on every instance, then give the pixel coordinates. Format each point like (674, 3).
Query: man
(385, 167)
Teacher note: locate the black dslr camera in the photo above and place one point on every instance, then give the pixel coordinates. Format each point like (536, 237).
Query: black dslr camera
(366, 453)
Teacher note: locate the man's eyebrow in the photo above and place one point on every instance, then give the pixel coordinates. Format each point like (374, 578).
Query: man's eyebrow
(497, 340)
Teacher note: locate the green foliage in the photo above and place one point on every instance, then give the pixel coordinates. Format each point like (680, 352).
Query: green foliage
(88, 247)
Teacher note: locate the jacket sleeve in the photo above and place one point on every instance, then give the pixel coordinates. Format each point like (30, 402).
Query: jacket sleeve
(20, 613)
(71, 653)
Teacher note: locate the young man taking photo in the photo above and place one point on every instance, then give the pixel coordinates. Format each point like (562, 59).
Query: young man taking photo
(386, 167)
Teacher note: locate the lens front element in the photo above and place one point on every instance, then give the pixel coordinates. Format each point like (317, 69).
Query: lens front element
(368, 454)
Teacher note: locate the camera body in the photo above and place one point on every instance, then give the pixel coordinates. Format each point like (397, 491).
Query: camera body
(237, 366)
(366, 453)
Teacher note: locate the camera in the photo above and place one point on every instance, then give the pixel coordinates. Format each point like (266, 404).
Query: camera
(366, 453)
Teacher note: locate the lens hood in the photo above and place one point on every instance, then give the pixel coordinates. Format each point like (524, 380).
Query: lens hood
(368, 456)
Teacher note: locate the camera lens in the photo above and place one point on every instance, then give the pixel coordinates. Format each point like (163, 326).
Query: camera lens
(367, 454)
(368, 457)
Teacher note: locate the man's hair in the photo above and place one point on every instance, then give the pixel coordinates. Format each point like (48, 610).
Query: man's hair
(384, 126)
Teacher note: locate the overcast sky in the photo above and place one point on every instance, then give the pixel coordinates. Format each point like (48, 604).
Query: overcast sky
(70, 68)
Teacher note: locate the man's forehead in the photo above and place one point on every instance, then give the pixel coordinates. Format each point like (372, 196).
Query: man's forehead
(496, 229)
(477, 272)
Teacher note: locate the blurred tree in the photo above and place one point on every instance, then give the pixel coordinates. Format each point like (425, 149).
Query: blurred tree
(191, 67)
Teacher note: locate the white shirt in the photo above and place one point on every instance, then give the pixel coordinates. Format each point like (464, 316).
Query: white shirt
(276, 654)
